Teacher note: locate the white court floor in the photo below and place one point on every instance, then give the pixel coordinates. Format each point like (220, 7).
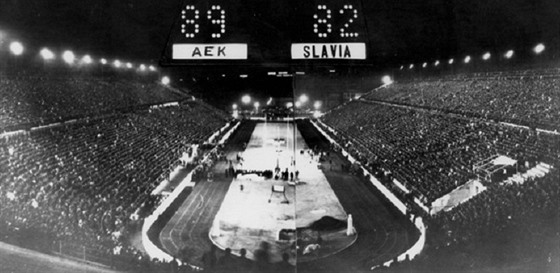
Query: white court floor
(246, 218)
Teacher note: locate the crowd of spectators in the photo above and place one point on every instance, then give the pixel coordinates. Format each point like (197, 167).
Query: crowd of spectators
(430, 143)
(529, 97)
(507, 228)
(88, 182)
(42, 100)
(432, 152)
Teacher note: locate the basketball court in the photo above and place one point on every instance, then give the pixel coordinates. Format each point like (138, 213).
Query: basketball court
(221, 213)
(256, 209)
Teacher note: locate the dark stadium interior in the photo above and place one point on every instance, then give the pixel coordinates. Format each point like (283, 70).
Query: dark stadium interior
(426, 135)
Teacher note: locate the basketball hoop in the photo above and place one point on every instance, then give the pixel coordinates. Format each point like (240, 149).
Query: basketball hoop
(278, 189)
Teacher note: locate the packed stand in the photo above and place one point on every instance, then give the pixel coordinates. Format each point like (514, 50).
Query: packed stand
(530, 98)
(507, 228)
(87, 182)
(42, 100)
(429, 152)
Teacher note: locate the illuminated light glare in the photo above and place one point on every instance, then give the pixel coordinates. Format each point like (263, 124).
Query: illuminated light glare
(402, 67)
(317, 114)
(451, 61)
(243, 76)
(289, 105)
(424, 65)
(271, 73)
(257, 104)
(46, 54)
(486, 56)
(117, 63)
(68, 56)
(142, 67)
(128, 65)
(317, 105)
(269, 101)
(86, 59)
(165, 80)
(436, 63)
(246, 99)
(539, 48)
(152, 68)
(411, 66)
(303, 98)
(467, 59)
(298, 104)
(16, 48)
(234, 106)
(509, 54)
(386, 80)
(103, 61)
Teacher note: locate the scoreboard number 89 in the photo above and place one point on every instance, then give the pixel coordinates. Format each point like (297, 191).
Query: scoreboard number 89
(190, 17)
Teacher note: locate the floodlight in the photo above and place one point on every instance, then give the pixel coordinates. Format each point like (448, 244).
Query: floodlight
(16, 48)
(68, 56)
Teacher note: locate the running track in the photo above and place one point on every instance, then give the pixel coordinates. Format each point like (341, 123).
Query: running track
(383, 233)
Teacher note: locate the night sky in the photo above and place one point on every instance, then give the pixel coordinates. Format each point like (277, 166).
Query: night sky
(398, 31)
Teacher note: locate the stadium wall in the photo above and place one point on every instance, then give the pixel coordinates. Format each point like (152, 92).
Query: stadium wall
(418, 222)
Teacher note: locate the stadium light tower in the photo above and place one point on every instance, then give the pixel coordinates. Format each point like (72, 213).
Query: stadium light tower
(303, 98)
(246, 99)
(386, 80)
(298, 104)
(467, 59)
(256, 104)
(538, 49)
(411, 66)
(165, 80)
(424, 65)
(450, 61)
(16, 48)
(68, 56)
(436, 63)
(152, 68)
(46, 54)
(509, 54)
(103, 61)
(486, 56)
(128, 65)
(117, 63)
(142, 67)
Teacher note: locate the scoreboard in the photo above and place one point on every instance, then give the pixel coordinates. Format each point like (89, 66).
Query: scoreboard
(267, 30)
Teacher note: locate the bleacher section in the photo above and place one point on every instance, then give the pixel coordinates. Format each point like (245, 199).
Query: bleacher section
(84, 182)
(432, 152)
(530, 97)
(429, 134)
(34, 100)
